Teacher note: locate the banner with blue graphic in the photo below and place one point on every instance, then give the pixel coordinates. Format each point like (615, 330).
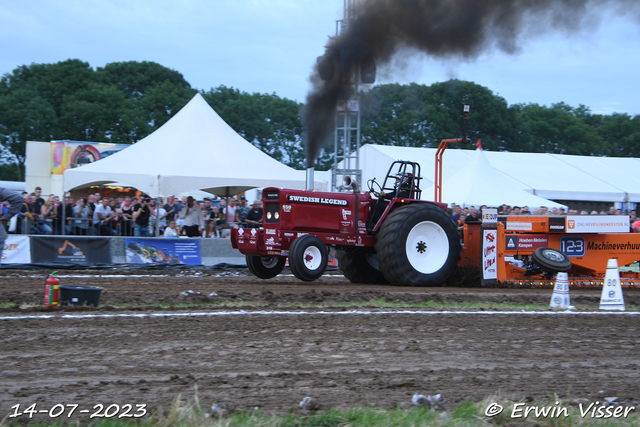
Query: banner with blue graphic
(162, 251)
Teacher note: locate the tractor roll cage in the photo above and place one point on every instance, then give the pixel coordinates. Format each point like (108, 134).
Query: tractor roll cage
(409, 175)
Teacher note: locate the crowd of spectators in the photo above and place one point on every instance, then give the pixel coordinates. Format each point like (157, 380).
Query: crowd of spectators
(175, 217)
(472, 214)
(132, 216)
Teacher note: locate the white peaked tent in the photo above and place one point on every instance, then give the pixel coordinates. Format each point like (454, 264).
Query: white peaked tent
(194, 150)
(482, 184)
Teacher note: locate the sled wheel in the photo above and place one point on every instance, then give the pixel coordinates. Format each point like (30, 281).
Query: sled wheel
(551, 260)
(265, 267)
(418, 245)
(359, 266)
(308, 257)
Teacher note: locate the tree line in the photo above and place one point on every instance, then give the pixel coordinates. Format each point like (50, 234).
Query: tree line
(124, 102)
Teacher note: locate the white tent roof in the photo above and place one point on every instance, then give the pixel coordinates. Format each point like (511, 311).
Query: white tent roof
(616, 171)
(194, 150)
(550, 176)
(471, 187)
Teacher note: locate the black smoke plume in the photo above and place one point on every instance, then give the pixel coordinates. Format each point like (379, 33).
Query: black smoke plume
(440, 28)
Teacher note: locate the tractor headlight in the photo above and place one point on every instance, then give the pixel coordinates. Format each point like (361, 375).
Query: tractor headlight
(272, 212)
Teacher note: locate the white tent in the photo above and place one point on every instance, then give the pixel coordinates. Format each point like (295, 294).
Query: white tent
(194, 150)
(551, 176)
(481, 184)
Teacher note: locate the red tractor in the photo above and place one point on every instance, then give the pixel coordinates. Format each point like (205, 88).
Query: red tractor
(385, 235)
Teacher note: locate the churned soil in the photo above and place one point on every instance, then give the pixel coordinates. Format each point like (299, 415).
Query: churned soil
(143, 346)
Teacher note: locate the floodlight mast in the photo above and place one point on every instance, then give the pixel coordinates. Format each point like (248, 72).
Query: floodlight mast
(346, 159)
(440, 152)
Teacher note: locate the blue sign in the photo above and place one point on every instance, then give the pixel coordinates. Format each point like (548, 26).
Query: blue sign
(162, 251)
(573, 246)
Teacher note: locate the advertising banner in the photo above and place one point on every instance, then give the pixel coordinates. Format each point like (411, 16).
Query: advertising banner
(16, 250)
(490, 216)
(71, 154)
(598, 224)
(525, 242)
(163, 251)
(489, 255)
(67, 249)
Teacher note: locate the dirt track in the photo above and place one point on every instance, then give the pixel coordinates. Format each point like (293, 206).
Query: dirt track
(274, 360)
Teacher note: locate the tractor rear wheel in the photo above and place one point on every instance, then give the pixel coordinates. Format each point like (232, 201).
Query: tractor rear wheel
(356, 265)
(265, 267)
(308, 257)
(418, 245)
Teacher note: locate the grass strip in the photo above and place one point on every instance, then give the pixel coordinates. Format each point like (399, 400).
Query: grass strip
(550, 412)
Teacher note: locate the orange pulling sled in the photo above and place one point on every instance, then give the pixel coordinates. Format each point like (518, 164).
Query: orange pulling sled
(530, 250)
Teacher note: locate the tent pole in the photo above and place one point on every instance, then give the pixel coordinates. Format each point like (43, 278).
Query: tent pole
(157, 217)
(226, 208)
(63, 220)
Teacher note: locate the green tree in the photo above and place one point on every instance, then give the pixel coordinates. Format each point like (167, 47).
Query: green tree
(158, 91)
(97, 113)
(51, 82)
(421, 116)
(119, 103)
(557, 130)
(24, 116)
(621, 133)
(10, 172)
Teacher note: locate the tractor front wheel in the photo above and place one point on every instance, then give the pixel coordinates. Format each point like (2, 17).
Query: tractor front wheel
(418, 245)
(265, 267)
(308, 257)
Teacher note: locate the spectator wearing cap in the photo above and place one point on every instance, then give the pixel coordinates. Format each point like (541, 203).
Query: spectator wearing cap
(193, 221)
(254, 216)
(208, 207)
(241, 212)
(141, 214)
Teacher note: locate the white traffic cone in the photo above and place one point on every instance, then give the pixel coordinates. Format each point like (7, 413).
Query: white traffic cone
(560, 297)
(611, 298)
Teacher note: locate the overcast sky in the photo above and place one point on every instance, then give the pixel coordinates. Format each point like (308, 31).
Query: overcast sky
(269, 46)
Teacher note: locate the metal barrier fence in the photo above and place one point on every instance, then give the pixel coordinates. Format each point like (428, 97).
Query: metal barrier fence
(121, 227)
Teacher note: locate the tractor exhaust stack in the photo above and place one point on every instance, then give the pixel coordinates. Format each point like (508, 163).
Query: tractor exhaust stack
(310, 178)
